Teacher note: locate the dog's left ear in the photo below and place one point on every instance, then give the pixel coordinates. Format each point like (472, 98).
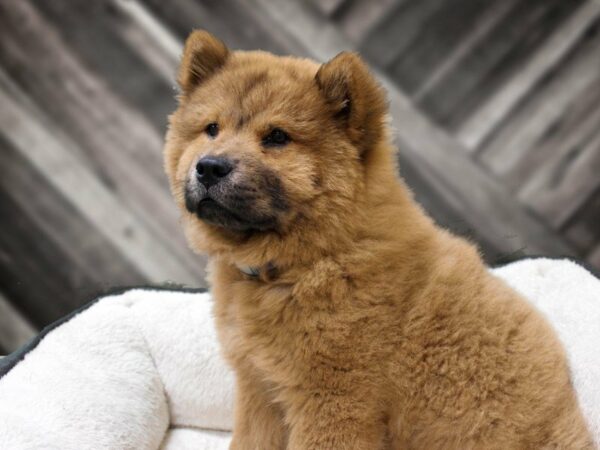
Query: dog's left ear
(356, 99)
(203, 55)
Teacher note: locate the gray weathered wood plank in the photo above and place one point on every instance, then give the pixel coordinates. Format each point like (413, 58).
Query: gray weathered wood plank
(583, 227)
(573, 126)
(15, 330)
(111, 139)
(397, 30)
(502, 53)
(559, 107)
(156, 44)
(486, 22)
(439, 35)
(87, 254)
(594, 257)
(328, 7)
(36, 273)
(78, 184)
(359, 18)
(93, 33)
(235, 22)
(483, 120)
(566, 181)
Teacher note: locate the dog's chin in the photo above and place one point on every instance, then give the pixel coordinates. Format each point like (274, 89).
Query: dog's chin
(213, 213)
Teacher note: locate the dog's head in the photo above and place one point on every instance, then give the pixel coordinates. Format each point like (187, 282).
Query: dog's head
(265, 146)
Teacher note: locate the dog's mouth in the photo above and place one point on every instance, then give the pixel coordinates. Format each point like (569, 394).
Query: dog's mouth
(214, 212)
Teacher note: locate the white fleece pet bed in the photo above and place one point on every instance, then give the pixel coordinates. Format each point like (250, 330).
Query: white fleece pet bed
(141, 369)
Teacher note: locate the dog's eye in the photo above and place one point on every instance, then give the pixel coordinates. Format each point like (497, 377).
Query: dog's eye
(212, 129)
(276, 138)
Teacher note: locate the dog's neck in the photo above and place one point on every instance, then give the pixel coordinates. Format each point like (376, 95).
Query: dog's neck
(386, 216)
(374, 236)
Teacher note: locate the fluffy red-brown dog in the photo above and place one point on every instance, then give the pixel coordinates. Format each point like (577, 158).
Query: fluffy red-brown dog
(351, 320)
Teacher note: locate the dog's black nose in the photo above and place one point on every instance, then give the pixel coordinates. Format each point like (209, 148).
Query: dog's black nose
(211, 169)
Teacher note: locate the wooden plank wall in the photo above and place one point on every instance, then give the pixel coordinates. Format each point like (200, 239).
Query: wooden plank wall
(506, 95)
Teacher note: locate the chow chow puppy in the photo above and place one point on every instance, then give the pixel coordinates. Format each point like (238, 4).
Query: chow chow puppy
(351, 320)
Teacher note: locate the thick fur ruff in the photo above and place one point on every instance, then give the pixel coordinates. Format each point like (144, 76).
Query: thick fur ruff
(372, 328)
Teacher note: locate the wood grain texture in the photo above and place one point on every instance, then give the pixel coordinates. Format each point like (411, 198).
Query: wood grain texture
(329, 8)
(359, 17)
(494, 59)
(397, 30)
(144, 32)
(15, 330)
(235, 22)
(552, 111)
(48, 267)
(482, 121)
(566, 182)
(437, 37)
(477, 31)
(115, 149)
(80, 185)
(583, 227)
(96, 259)
(548, 149)
(112, 58)
(594, 257)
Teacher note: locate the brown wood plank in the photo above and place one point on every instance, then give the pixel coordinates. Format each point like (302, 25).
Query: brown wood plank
(503, 52)
(558, 114)
(113, 141)
(497, 108)
(450, 174)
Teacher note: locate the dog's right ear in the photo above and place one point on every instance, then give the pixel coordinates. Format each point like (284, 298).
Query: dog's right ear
(203, 55)
(356, 99)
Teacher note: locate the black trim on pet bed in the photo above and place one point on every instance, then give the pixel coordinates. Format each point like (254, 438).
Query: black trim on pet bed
(9, 362)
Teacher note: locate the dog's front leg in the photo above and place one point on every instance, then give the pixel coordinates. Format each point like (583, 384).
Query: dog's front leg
(258, 421)
(335, 423)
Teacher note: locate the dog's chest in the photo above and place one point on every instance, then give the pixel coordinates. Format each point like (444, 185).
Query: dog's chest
(289, 331)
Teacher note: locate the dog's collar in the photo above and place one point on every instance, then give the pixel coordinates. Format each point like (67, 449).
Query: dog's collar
(268, 272)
